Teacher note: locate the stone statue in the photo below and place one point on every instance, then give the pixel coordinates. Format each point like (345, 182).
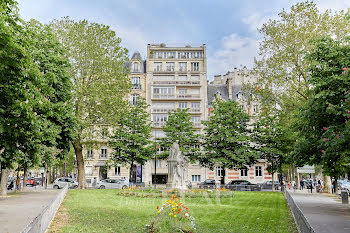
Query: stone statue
(177, 168)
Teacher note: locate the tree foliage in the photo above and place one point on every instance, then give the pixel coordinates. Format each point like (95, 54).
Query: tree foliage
(227, 142)
(179, 128)
(99, 77)
(281, 66)
(324, 128)
(131, 141)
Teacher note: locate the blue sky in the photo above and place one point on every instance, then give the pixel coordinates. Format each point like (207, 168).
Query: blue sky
(227, 27)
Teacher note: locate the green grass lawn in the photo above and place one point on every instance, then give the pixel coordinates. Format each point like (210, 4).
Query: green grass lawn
(104, 211)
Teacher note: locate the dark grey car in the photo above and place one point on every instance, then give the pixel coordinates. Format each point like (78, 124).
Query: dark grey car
(242, 185)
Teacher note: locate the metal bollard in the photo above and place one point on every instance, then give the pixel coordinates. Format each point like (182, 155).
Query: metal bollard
(344, 197)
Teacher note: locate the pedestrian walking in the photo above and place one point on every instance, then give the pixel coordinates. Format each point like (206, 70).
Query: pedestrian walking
(289, 185)
(333, 186)
(301, 185)
(18, 183)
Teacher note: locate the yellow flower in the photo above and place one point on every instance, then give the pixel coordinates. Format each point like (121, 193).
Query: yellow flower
(158, 211)
(170, 213)
(174, 215)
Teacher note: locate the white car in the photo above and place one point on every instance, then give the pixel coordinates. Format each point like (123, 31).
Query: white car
(64, 181)
(112, 184)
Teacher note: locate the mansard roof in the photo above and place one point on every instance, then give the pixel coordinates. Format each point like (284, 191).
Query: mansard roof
(220, 89)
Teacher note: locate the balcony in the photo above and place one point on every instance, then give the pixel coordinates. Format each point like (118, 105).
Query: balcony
(196, 124)
(194, 83)
(179, 96)
(194, 110)
(188, 96)
(162, 110)
(136, 86)
(158, 124)
(163, 96)
(103, 156)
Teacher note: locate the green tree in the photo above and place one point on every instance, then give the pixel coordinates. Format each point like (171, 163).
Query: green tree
(55, 109)
(131, 141)
(272, 142)
(99, 77)
(324, 129)
(227, 142)
(179, 128)
(281, 65)
(19, 93)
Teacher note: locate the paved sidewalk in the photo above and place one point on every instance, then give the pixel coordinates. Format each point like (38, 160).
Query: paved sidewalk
(18, 210)
(324, 212)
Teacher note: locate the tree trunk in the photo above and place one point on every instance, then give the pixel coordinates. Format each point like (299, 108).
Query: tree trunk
(80, 162)
(24, 178)
(273, 181)
(298, 180)
(3, 187)
(131, 172)
(327, 184)
(335, 185)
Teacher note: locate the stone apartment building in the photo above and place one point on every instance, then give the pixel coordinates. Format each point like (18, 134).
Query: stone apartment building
(171, 78)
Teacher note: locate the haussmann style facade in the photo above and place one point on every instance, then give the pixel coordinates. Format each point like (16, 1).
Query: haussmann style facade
(171, 78)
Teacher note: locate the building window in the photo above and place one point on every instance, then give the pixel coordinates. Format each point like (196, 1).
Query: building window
(195, 66)
(182, 66)
(136, 67)
(117, 171)
(182, 105)
(258, 171)
(133, 99)
(244, 172)
(196, 119)
(135, 83)
(182, 91)
(163, 92)
(196, 105)
(90, 153)
(159, 119)
(220, 171)
(157, 66)
(255, 108)
(156, 162)
(239, 95)
(104, 153)
(196, 178)
(170, 66)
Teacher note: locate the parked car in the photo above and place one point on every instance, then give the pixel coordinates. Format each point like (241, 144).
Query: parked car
(344, 185)
(207, 184)
(31, 182)
(112, 184)
(64, 181)
(242, 185)
(268, 185)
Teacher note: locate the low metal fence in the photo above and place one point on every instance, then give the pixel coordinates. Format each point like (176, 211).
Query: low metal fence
(41, 223)
(302, 223)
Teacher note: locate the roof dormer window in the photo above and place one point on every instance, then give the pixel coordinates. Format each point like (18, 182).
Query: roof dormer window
(136, 67)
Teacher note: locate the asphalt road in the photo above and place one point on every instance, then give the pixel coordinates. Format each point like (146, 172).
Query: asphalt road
(19, 209)
(325, 213)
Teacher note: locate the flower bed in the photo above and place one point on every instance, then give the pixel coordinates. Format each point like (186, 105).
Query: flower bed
(192, 193)
(173, 216)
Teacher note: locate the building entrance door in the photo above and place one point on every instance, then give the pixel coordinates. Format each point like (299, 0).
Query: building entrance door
(102, 173)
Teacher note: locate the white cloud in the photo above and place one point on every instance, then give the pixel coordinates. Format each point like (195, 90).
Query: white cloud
(256, 20)
(335, 5)
(234, 51)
